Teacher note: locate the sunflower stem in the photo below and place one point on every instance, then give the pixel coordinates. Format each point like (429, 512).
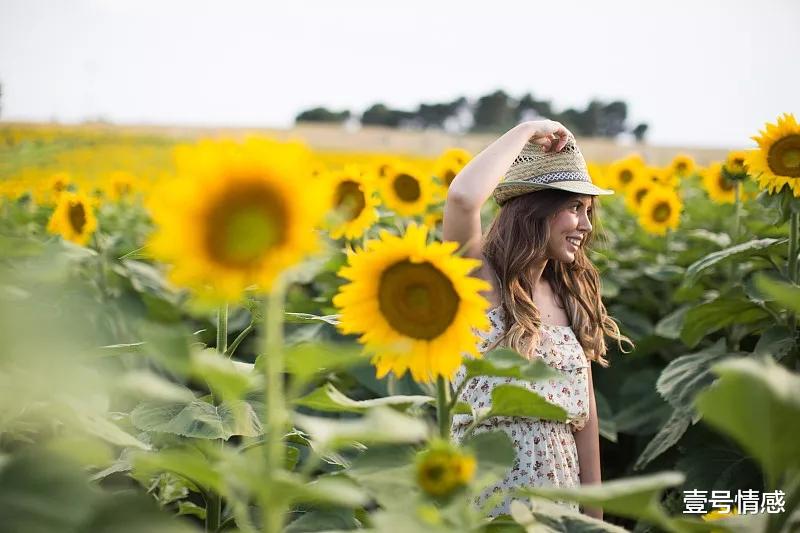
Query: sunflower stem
(443, 407)
(213, 500)
(276, 416)
(238, 340)
(737, 210)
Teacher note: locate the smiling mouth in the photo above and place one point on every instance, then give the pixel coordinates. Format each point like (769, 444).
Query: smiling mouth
(574, 242)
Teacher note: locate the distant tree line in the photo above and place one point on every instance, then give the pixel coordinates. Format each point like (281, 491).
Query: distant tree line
(493, 112)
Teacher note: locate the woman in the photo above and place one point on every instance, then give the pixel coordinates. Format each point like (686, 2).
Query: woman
(545, 293)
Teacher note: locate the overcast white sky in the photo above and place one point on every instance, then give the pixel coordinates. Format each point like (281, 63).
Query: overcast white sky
(708, 73)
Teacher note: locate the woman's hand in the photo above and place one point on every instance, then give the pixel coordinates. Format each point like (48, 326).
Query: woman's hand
(549, 134)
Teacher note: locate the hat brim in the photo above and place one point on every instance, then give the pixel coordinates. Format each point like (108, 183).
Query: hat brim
(511, 188)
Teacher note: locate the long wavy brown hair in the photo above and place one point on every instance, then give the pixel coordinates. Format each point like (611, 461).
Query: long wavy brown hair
(516, 240)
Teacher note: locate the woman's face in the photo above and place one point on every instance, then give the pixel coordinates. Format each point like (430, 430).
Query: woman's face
(569, 228)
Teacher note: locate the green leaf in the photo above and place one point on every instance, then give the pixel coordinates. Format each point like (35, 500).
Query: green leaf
(305, 361)
(146, 384)
(105, 429)
(378, 425)
(608, 427)
(510, 400)
(504, 362)
(734, 253)
(42, 493)
(760, 420)
(548, 516)
(333, 490)
(188, 463)
(329, 398)
(687, 375)
(222, 375)
(132, 513)
(324, 520)
(198, 419)
(634, 497)
(387, 473)
(786, 294)
(670, 326)
(775, 341)
(709, 317)
(665, 439)
(302, 318)
(494, 454)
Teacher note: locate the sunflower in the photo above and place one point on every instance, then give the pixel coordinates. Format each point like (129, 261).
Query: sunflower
(443, 469)
(120, 185)
(735, 162)
(413, 303)
(598, 175)
(660, 176)
(407, 189)
(776, 162)
(623, 171)
(449, 164)
(637, 190)
(236, 215)
(73, 218)
(719, 188)
(353, 202)
(660, 210)
(682, 165)
(49, 190)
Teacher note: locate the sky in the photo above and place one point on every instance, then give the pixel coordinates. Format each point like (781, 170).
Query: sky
(702, 73)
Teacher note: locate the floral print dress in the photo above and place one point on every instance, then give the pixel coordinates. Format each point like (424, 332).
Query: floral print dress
(546, 454)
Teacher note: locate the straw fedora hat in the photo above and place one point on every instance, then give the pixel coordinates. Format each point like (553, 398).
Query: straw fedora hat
(535, 169)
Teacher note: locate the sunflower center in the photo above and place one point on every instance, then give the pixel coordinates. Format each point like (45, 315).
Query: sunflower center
(640, 194)
(784, 156)
(244, 225)
(417, 299)
(434, 472)
(406, 188)
(349, 200)
(661, 212)
(77, 216)
(725, 184)
(625, 176)
(449, 176)
(680, 167)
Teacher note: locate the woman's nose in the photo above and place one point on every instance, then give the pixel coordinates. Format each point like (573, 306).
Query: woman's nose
(584, 224)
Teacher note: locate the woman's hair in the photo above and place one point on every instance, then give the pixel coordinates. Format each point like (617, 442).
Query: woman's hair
(516, 240)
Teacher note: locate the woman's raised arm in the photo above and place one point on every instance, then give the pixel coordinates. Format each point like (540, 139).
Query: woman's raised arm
(476, 181)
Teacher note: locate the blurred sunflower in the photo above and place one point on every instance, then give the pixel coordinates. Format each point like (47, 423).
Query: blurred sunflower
(637, 190)
(413, 303)
(449, 164)
(682, 165)
(443, 469)
(407, 189)
(236, 215)
(48, 191)
(73, 218)
(354, 202)
(719, 188)
(717, 514)
(776, 162)
(660, 176)
(598, 173)
(623, 171)
(660, 210)
(120, 185)
(735, 162)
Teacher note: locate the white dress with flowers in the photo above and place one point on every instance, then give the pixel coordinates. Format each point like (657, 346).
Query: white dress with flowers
(546, 454)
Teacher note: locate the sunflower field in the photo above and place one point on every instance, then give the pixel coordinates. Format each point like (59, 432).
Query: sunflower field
(250, 335)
